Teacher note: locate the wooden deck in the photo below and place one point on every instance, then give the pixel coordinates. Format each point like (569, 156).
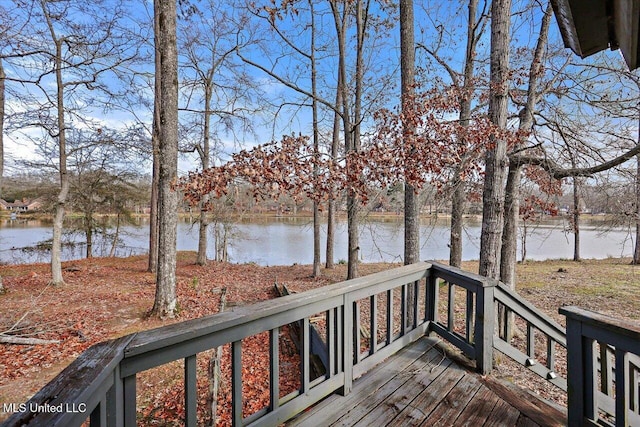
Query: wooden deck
(421, 386)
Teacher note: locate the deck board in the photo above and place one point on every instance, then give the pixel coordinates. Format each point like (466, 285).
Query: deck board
(402, 397)
(479, 408)
(427, 400)
(503, 414)
(453, 404)
(385, 401)
(421, 386)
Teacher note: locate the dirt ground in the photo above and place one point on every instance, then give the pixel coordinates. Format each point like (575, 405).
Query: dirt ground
(105, 298)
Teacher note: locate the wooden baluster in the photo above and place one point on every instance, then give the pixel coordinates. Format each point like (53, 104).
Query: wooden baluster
(634, 388)
(115, 411)
(98, 417)
(236, 383)
(356, 332)
(274, 369)
(331, 344)
(373, 327)
(531, 345)
(416, 301)
(622, 388)
(348, 346)
(340, 339)
(469, 319)
(484, 327)
(403, 310)
(129, 393)
(433, 294)
(305, 368)
(190, 391)
(606, 370)
(551, 358)
(389, 316)
(451, 308)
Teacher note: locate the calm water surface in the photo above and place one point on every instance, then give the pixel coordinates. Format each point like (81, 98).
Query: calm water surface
(283, 241)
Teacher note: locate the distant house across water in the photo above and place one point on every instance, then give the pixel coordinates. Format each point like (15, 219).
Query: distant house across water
(24, 205)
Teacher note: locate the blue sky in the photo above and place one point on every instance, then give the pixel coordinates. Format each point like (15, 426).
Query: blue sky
(447, 17)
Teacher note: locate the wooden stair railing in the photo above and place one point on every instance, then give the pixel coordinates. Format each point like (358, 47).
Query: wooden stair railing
(537, 328)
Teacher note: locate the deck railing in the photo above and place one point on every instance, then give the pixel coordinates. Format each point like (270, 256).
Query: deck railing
(537, 329)
(362, 321)
(472, 329)
(601, 392)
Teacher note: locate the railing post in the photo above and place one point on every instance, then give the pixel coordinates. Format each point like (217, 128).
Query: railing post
(432, 296)
(129, 397)
(484, 326)
(622, 388)
(575, 369)
(115, 401)
(236, 383)
(98, 417)
(190, 391)
(581, 370)
(274, 369)
(348, 344)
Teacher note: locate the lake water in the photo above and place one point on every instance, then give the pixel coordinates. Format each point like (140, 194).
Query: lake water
(284, 241)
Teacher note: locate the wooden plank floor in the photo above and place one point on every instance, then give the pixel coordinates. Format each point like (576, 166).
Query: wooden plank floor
(421, 386)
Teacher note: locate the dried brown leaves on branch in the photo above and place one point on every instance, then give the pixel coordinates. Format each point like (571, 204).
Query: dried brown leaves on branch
(440, 145)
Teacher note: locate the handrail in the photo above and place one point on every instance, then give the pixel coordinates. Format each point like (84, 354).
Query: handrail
(534, 320)
(94, 375)
(395, 307)
(614, 392)
(475, 339)
(103, 379)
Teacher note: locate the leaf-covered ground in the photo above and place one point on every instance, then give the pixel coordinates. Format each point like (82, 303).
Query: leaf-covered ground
(108, 297)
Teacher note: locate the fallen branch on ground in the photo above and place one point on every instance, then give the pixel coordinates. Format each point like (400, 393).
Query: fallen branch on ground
(11, 339)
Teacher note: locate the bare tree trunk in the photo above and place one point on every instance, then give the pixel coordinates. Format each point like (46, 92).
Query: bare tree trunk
(459, 197)
(2, 112)
(316, 145)
(407, 74)
(58, 220)
(352, 237)
(525, 230)
(2, 102)
(112, 253)
(350, 136)
(205, 155)
(153, 211)
(165, 299)
(510, 230)
(509, 255)
(636, 252)
(201, 258)
(353, 204)
(457, 222)
(496, 159)
(512, 190)
(331, 210)
(89, 253)
(576, 219)
(331, 228)
(155, 144)
(331, 214)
